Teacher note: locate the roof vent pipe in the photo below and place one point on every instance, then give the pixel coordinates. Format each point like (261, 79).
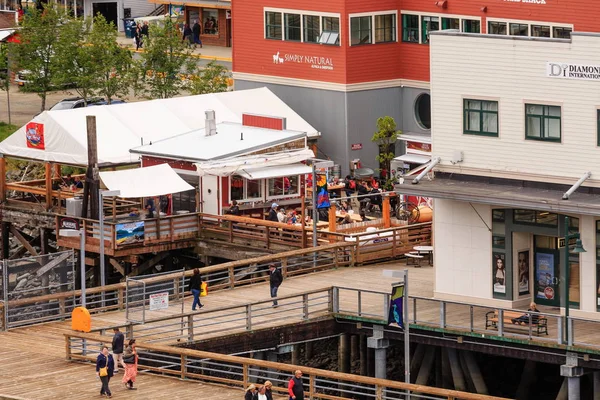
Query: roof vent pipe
(434, 161)
(569, 192)
(210, 126)
(241, 135)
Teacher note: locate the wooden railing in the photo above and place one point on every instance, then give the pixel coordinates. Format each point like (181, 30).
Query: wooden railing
(240, 372)
(222, 276)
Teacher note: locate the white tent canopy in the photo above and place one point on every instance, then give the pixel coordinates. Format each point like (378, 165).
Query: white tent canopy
(245, 165)
(145, 182)
(121, 127)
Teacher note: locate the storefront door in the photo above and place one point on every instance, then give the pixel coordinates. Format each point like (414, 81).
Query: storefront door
(546, 271)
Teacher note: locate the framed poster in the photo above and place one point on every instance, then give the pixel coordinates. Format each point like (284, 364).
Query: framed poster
(523, 264)
(499, 272)
(545, 276)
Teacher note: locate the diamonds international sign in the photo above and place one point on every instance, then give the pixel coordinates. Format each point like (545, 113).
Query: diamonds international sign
(588, 72)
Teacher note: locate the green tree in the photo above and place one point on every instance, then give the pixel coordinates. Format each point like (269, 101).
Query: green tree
(212, 79)
(37, 55)
(4, 76)
(114, 62)
(386, 137)
(163, 67)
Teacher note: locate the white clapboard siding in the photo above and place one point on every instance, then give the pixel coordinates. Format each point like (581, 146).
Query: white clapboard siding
(513, 71)
(140, 8)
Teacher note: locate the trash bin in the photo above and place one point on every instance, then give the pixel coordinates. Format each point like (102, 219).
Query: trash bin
(129, 25)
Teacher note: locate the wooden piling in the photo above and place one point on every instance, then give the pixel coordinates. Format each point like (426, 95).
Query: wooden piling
(457, 374)
(426, 365)
(527, 380)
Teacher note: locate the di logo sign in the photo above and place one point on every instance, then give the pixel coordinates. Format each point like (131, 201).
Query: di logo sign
(34, 134)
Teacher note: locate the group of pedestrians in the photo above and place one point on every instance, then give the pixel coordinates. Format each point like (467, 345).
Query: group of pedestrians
(141, 31)
(192, 34)
(108, 364)
(265, 392)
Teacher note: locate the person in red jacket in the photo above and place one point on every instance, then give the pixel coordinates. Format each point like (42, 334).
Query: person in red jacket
(296, 387)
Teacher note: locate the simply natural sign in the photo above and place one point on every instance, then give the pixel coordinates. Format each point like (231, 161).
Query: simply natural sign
(316, 62)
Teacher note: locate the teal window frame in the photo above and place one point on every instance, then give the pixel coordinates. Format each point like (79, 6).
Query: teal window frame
(312, 30)
(468, 111)
(410, 28)
(544, 117)
(471, 25)
(271, 27)
(426, 23)
(291, 29)
(358, 30)
(447, 23)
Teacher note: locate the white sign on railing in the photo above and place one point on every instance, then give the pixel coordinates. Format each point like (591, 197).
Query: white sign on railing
(159, 301)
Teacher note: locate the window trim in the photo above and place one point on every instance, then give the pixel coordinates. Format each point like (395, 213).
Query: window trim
(285, 29)
(420, 14)
(372, 15)
(418, 28)
(285, 195)
(394, 28)
(481, 113)
(265, 25)
(371, 41)
(304, 28)
(302, 13)
(245, 190)
(543, 139)
(552, 25)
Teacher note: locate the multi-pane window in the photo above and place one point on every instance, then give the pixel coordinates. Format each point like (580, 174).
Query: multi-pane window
(542, 122)
(244, 189)
(292, 27)
(481, 117)
(428, 24)
(471, 25)
(450, 23)
(540, 31)
(312, 28)
(410, 28)
(497, 28)
(519, 30)
(331, 31)
(283, 186)
(385, 28)
(273, 25)
(360, 30)
(562, 33)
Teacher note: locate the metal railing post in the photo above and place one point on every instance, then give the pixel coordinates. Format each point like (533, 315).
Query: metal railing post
(414, 311)
(570, 331)
(304, 306)
(471, 328)
(500, 322)
(359, 303)
(386, 305)
(560, 330)
(249, 317)
(336, 299)
(443, 315)
(190, 323)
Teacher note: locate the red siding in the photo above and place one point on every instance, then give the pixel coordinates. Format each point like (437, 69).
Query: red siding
(260, 121)
(366, 63)
(224, 192)
(148, 161)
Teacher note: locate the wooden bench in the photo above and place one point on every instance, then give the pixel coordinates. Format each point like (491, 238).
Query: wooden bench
(538, 326)
(414, 257)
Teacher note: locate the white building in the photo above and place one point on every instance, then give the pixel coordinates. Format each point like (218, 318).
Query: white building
(515, 124)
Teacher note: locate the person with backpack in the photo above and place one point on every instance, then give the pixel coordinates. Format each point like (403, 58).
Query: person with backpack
(349, 186)
(275, 280)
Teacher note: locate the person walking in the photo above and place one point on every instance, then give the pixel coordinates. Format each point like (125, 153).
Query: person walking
(145, 29)
(196, 29)
(130, 363)
(273, 213)
(139, 41)
(187, 35)
(275, 280)
(251, 393)
(269, 390)
(296, 387)
(195, 288)
(117, 348)
(105, 365)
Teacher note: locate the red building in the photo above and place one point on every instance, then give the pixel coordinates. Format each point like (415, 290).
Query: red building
(341, 64)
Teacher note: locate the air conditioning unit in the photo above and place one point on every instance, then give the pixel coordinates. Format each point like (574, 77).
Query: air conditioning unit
(74, 207)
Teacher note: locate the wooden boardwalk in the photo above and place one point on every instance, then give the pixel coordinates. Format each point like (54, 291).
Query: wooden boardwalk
(32, 359)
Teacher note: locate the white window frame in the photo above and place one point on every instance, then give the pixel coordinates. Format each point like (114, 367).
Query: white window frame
(284, 196)
(427, 14)
(245, 190)
(302, 14)
(372, 15)
(552, 25)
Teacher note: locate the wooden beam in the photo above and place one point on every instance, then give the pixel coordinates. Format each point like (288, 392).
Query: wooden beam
(52, 264)
(57, 171)
(387, 223)
(117, 266)
(21, 250)
(48, 176)
(332, 218)
(23, 241)
(2, 179)
(148, 264)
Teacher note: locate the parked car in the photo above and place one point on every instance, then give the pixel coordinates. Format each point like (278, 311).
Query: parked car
(105, 102)
(76, 102)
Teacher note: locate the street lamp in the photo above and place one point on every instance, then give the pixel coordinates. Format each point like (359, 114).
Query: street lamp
(81, 234)
(577, 249)
(101, 194)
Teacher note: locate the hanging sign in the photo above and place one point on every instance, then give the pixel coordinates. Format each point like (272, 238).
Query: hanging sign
(34, 134)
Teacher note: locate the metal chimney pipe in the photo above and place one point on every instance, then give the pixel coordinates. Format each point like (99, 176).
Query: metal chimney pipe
(210, 126)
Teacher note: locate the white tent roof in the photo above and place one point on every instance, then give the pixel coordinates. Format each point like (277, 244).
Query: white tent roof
(121, 127)
(145, 182)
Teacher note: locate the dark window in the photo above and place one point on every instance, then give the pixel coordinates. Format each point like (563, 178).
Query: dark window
(562, 33)
(480, 117)
(360, 30)
(428, 24)
(540, 31)
(497, 28)
(542, 122)
(535, 217)
(519, 29)
(331, 31)
(471, 25)
(450, 23)
(423, 110)
(410, 28)
(292, 27)
(498, 242)
(385, 28)
(498, 215)
(273, 25)
(312, 28)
